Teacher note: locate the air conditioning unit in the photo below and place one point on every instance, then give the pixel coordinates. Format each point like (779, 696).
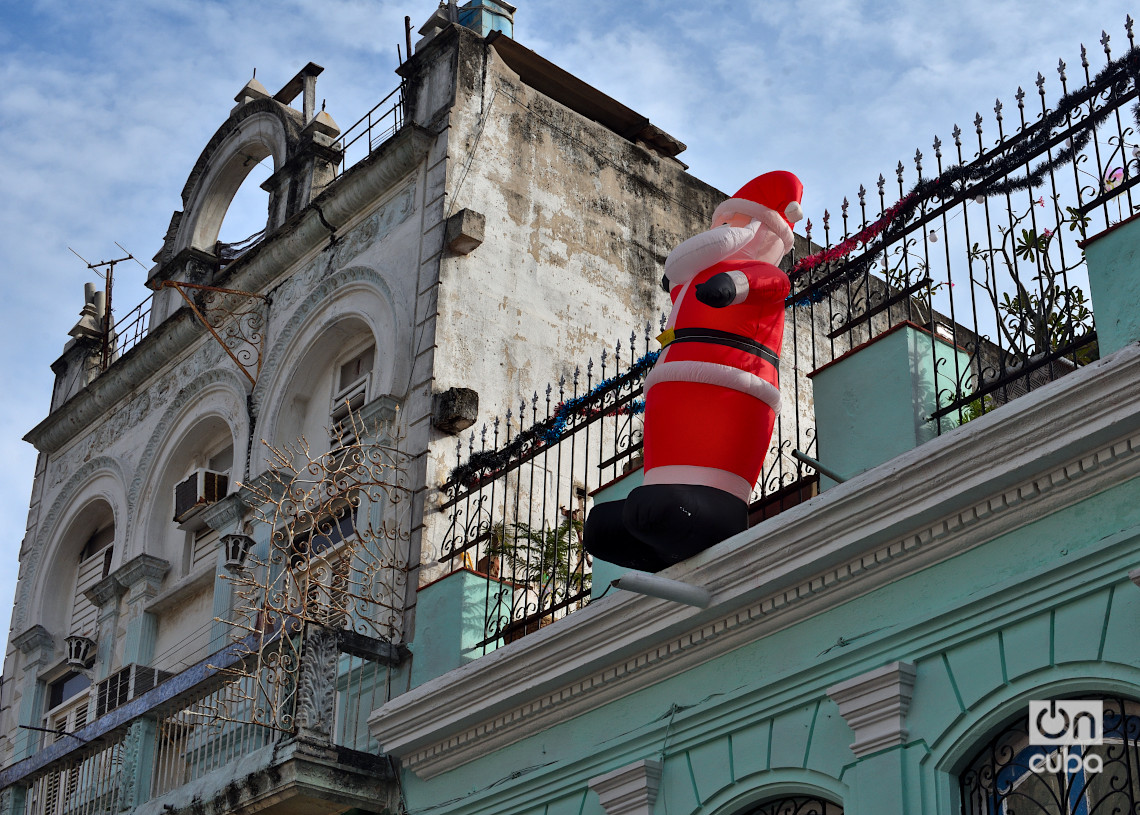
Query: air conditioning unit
(124, 685)
(198, 491)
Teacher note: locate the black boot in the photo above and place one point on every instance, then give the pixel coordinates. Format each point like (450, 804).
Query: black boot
(678, 520)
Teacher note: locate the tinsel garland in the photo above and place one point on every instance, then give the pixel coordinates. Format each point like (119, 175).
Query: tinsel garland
(1114, 80)
(551, 429)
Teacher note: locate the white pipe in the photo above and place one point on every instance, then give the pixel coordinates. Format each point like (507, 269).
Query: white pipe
(665, 589)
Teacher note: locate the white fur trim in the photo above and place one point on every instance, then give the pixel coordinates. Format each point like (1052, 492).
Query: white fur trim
(704, 476)
(794, 212)
(713, 373)
(706, 249)
(769, 217)
(740, 279)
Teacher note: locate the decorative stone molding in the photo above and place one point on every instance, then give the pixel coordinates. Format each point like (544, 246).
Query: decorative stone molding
(1134, 576)
(316, 684)
(225, 513)
(141, 577)
(35, 638)
(631, 790)
(1045, 451)
(875, 706)
(106, 590)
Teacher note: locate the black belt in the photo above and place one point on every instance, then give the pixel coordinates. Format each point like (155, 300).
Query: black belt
(717, 337)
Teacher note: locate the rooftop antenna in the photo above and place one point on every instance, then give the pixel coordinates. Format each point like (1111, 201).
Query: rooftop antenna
(108, 283)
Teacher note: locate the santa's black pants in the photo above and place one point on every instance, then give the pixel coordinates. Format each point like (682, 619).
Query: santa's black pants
(662, 524)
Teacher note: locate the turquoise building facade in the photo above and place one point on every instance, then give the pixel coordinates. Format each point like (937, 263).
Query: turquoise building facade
(873, 650)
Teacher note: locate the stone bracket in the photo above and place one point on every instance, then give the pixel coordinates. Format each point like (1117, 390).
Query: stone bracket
(630, 790)
(875, 705)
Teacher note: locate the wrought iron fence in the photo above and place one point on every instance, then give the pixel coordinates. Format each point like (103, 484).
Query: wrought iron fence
(985, 252)
(983, 255)
(517, 498)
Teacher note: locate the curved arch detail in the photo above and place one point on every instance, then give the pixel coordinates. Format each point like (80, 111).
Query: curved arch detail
(101, 478)
(178, 419)
(256, 130)
(329, 303)
(755, 789)
(956, 745)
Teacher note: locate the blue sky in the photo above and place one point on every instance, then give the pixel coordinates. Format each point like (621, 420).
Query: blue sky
(104, 107)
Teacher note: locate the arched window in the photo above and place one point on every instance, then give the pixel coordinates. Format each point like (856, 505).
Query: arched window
(795, 805)
(334, 377)
(95, 527)
(1009, 775)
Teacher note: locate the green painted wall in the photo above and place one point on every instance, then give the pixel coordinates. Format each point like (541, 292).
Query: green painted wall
(874, 403)
(1045, 608)
(1113, 259)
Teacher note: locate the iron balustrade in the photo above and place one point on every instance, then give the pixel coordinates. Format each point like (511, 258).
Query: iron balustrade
(372, 129)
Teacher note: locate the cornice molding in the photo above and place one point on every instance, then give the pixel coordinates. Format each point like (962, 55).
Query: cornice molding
(997, 473)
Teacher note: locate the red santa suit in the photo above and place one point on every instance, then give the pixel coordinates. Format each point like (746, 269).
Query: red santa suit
(713, 395)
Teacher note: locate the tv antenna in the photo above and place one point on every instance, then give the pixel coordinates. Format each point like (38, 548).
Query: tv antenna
(107, 269)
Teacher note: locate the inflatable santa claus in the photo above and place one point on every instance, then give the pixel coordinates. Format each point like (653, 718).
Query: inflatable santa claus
(711, 398)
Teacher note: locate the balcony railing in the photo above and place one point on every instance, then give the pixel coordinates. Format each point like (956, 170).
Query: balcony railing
(983, 254)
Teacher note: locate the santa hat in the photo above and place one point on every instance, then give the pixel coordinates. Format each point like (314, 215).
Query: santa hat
(773, 198)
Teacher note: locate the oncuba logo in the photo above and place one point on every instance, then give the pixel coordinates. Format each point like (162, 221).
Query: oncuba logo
(1066, 723)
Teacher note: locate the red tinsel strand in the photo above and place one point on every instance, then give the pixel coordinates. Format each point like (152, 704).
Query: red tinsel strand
(861, 238)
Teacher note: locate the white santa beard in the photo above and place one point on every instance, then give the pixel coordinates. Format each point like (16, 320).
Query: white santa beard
(767, 246)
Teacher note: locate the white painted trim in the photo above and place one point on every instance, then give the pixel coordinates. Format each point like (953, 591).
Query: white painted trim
(713, 373)
(1049, 449)
(740, 280)
(707, 476)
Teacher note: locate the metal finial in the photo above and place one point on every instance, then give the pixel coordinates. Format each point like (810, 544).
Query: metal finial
(900, 170)
(844, 206)
(978, 123)
(882, 182)
(807, 229)
(917, 160)
(549, 388)
(1061, 69)
(1084, 56)
(606, 355)
(826, 220)
(1041, 83)
(1104, 38)
(534, 399)
(997, 108)
(510, 414)
(957, 134)
(862, 195)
